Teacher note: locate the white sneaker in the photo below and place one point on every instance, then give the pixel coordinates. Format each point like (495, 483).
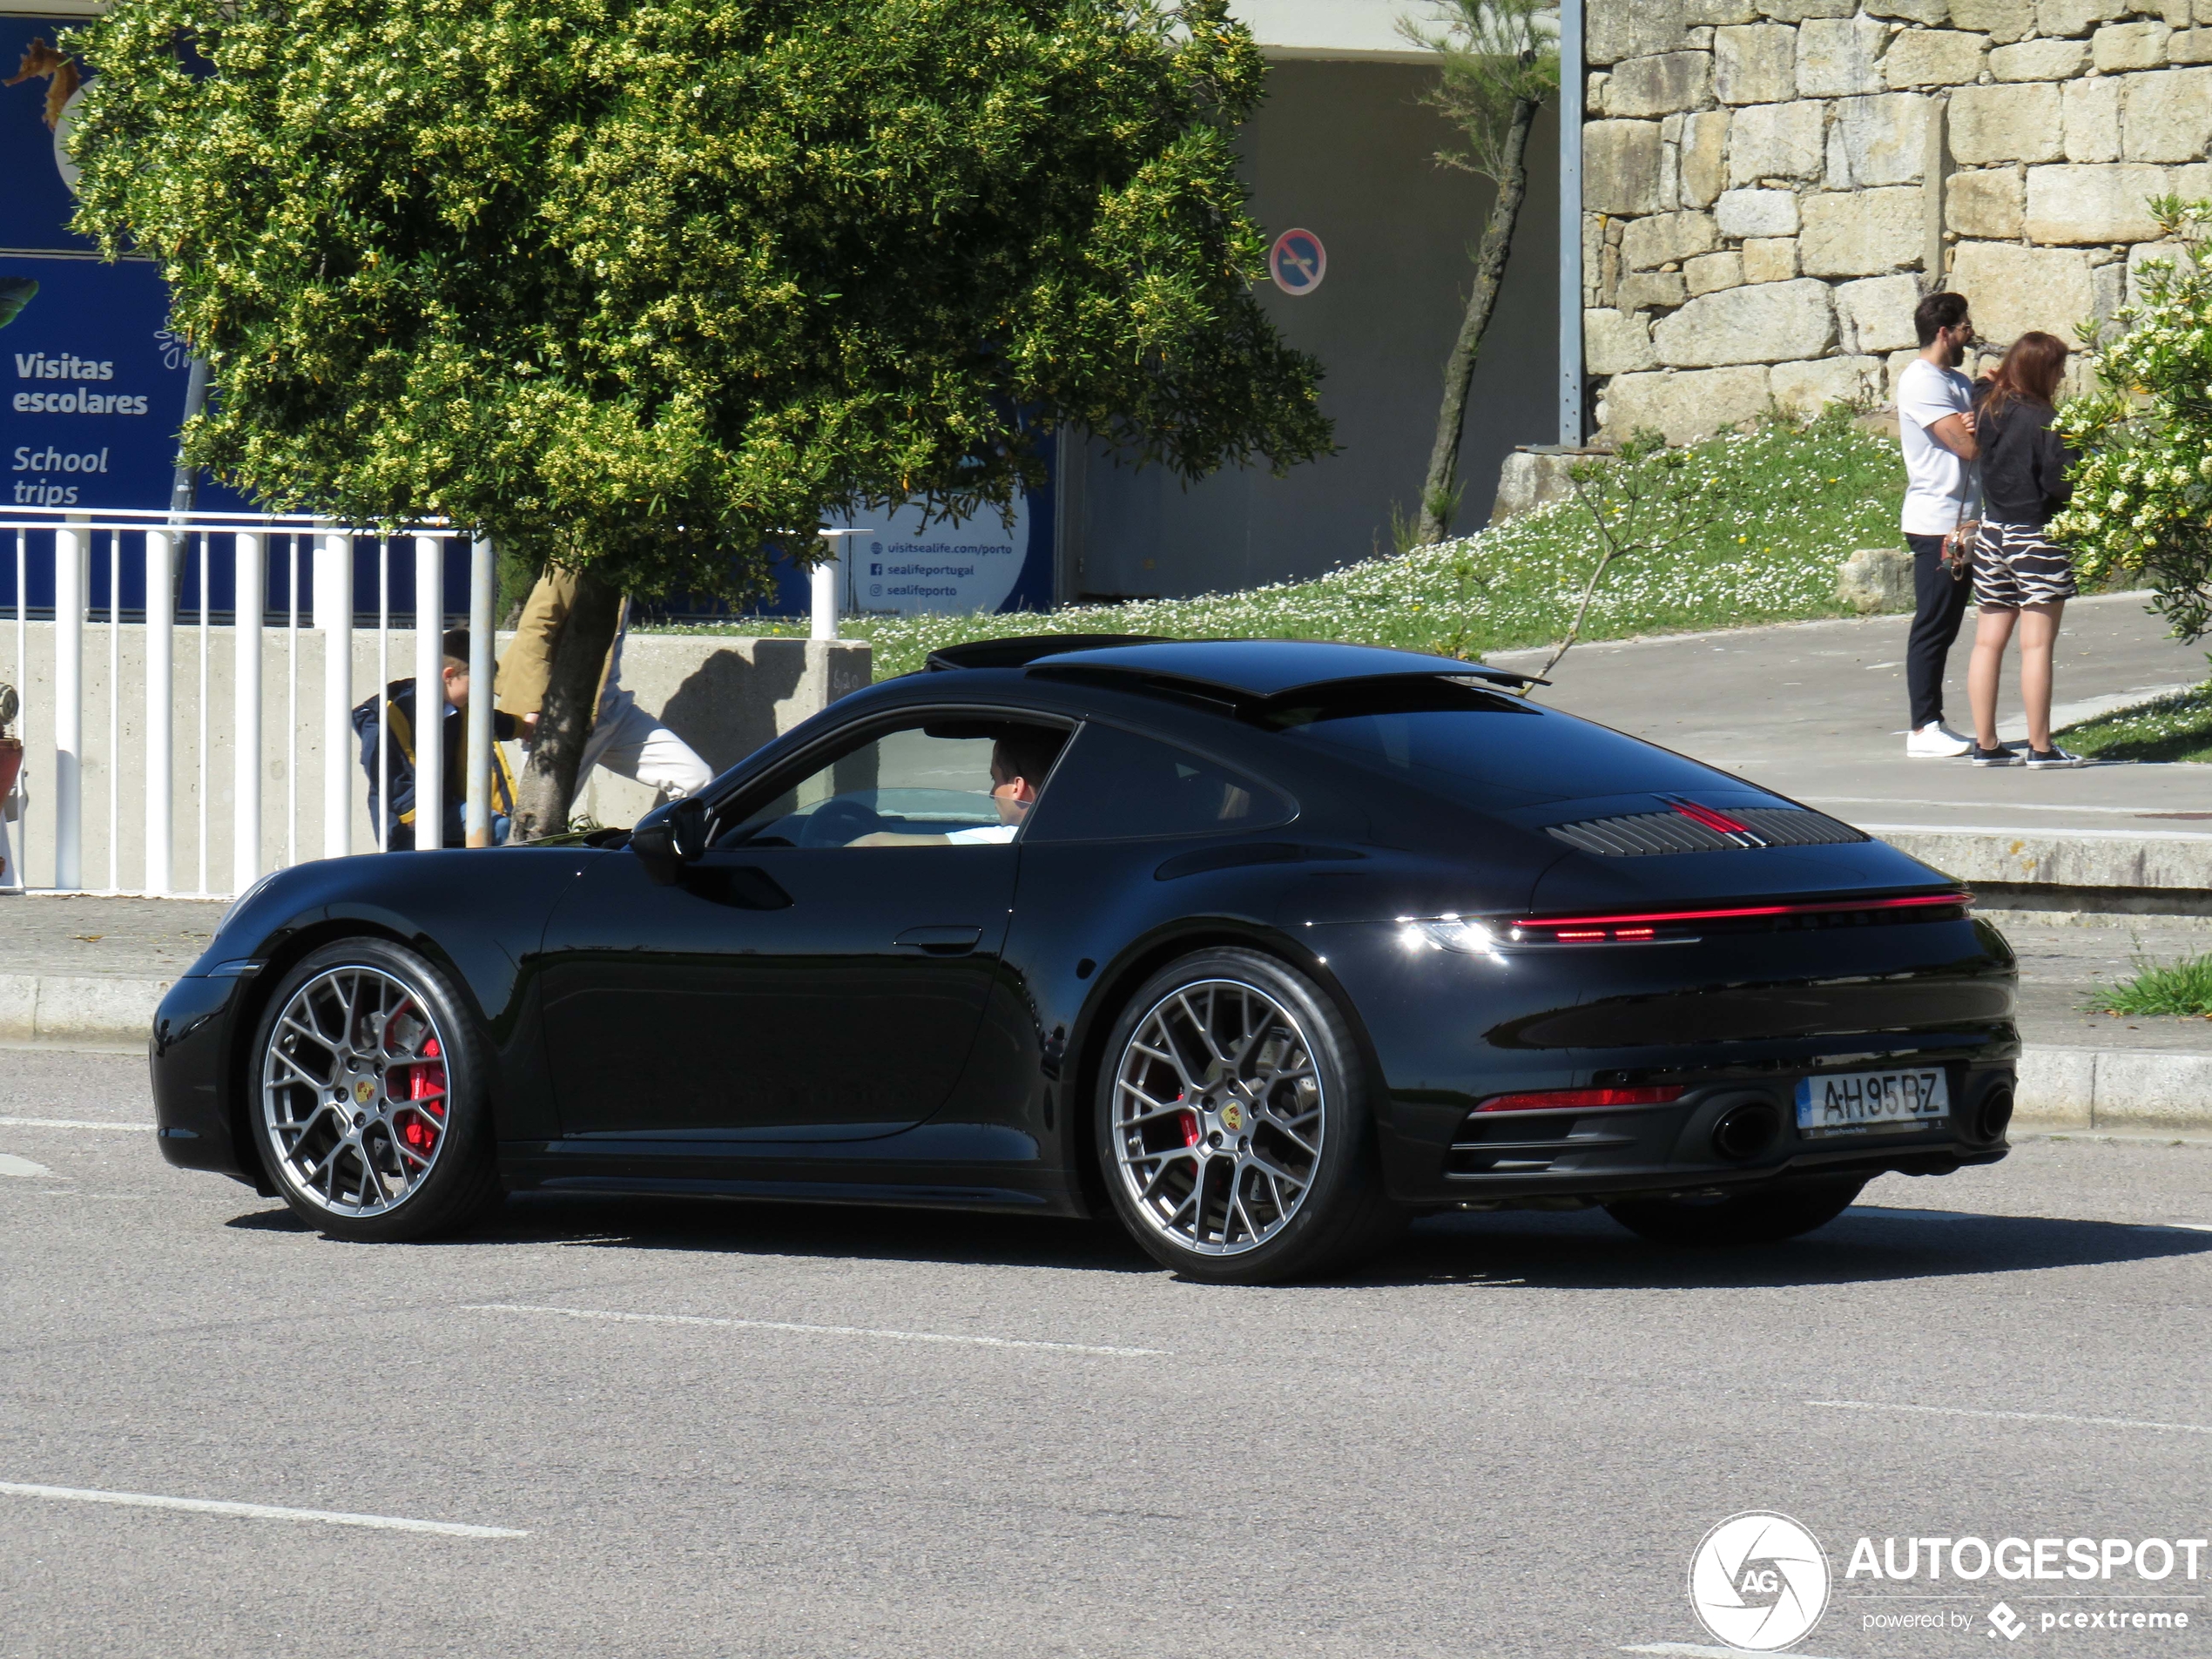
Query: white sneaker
(1936, 742)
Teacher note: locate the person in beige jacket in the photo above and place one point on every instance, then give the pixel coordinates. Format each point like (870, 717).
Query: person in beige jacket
(624, 739)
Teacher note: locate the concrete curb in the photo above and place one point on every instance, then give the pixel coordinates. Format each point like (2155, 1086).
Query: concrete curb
(2143, 861)
(103, 1012)
(2116, 1089)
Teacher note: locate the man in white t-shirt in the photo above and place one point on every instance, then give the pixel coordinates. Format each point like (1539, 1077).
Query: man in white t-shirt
(1935, 428)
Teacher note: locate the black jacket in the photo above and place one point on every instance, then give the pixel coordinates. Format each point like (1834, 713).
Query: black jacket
(398, 703)
(2023, 462)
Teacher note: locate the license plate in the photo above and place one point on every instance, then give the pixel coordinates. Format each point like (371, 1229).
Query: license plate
(1860, 1102)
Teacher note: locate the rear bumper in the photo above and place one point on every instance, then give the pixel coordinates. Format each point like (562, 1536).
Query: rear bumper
(1555, 1158)
(1730, 1022)
(190, 1061)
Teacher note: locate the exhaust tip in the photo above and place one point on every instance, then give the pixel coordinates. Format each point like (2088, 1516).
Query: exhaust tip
(1747, 1130)
(1994, 1114)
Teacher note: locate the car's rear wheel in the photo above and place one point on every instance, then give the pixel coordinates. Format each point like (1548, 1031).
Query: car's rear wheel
(1233, 1124)
(369, 1102)
(1762, 1218)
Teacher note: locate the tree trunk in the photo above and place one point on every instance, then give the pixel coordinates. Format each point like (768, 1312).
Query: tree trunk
(564, 719)
(1440, 493)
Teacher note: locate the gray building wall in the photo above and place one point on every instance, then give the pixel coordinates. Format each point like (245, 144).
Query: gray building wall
(1345, 150)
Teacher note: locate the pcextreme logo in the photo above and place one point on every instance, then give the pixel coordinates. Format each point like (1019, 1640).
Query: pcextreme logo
(1758, 1581)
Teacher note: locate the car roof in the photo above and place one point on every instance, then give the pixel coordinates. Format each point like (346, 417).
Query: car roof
(1257, 668)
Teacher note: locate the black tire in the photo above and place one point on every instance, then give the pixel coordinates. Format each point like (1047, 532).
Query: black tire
(451, 1135)
(1763, 1218)
(1341, 1212)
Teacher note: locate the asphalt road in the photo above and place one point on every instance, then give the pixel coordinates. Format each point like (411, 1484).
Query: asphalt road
(822, 1433)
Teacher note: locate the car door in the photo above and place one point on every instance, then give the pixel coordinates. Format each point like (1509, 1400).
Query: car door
(819, 972)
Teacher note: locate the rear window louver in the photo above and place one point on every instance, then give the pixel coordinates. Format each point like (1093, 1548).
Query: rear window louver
(1679, 831)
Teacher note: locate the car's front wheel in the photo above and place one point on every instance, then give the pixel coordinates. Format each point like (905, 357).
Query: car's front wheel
(1233, 1123)
(369, 1097)
(1764, 1218)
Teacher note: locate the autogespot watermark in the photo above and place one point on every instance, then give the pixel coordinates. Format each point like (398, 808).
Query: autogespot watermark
(1760, 1581)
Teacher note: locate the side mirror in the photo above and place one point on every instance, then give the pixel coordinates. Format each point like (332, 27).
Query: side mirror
(670, 839)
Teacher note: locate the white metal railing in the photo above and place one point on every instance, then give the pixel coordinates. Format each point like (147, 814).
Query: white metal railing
(206, 802)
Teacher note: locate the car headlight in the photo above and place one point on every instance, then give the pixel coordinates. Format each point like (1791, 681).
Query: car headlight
(245, 899)
(1460, 934)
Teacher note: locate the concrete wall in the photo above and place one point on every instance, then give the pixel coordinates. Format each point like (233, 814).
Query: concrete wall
(724, 696)
(1345, 150)
(1771, 185)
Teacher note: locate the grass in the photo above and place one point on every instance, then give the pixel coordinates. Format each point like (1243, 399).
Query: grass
(2183, 988)
(2173, 728)
(1784, 503)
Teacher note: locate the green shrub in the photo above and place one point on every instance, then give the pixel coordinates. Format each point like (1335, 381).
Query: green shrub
(2174, 988)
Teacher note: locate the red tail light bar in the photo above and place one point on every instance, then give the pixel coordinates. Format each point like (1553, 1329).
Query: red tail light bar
(1557, 1100)
(1634, 926)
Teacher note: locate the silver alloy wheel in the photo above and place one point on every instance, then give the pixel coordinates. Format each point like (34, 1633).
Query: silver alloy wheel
(354, 1091)
(1218, 1117)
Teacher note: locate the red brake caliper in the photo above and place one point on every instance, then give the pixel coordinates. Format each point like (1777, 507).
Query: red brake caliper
(427, 1088)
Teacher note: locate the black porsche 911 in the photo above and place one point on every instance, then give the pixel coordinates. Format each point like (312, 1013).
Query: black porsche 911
(1262, 946)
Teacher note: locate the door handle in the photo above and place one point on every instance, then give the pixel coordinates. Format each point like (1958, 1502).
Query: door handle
(941, 942)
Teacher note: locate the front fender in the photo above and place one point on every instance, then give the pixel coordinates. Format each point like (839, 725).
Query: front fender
(480, 915)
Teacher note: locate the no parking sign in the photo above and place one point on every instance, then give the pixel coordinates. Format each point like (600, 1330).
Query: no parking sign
(1297, 262)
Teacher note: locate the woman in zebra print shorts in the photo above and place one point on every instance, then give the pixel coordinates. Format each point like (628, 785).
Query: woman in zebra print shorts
(2020, 577)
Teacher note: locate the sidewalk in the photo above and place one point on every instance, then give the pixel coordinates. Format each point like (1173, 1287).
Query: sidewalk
(86, 973)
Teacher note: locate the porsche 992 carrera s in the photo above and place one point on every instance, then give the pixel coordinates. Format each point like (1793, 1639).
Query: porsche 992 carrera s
(1261, 947)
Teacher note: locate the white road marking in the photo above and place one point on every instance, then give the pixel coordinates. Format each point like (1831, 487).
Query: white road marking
(65, 1122)
(816, 1329)
(2013, 1417)
(10, 1164)
(1692, 1650)
(258, 1511)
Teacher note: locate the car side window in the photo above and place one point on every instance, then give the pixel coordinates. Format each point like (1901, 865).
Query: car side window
(942, 782)
(1113, 785)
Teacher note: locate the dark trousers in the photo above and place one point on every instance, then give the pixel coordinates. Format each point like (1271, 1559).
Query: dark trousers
(1940, 607)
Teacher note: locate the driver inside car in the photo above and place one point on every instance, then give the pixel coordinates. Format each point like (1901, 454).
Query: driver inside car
(1019, 762)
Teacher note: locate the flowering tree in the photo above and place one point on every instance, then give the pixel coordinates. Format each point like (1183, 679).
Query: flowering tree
(2142, 492)
(640, 286)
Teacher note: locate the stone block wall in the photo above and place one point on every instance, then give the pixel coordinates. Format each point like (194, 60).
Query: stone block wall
(1771, 185)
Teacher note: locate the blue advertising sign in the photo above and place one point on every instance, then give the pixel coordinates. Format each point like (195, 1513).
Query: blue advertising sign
(37, 104)
(95, 383)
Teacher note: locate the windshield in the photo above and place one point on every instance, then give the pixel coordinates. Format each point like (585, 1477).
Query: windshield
(1483, 748)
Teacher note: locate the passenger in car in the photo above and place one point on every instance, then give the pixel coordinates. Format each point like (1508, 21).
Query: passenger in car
(1019, 762)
